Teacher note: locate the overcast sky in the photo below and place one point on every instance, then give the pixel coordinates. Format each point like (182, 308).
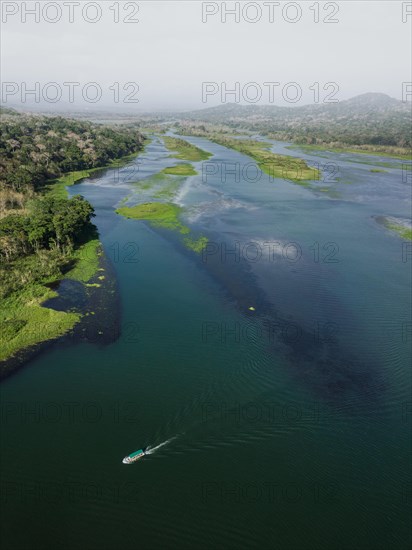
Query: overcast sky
(170, 52)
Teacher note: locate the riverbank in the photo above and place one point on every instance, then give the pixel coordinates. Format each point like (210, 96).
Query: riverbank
(57, 188)
(50, 313)
(384, 153)
(26, 323)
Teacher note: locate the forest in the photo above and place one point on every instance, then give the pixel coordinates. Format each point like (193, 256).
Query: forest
(39, 232)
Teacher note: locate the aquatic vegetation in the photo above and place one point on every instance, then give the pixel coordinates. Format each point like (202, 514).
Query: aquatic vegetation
(157, 213)
(24, 322)
(86, 259)
(197, 245)
(180, 170)
(185, 150)
(276, 166)
(164, 215)
(377, 170)
(169, 189)
(150, 182)
(401, 230)
(162, 185)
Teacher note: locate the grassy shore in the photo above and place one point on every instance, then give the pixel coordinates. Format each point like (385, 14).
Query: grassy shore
(276, 166)
(385, 153)
(185, 150)
(57, 188)
(24, 322)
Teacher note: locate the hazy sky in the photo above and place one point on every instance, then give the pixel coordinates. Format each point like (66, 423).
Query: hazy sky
(170, 52)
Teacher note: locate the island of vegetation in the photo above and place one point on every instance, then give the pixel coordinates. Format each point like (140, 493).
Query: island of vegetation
(185, 150)
(44, 235)
(276, 166)
(165, 215)
(180, 170)
(404, 231)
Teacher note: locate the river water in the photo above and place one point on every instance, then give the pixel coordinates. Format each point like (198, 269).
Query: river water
(282, 426)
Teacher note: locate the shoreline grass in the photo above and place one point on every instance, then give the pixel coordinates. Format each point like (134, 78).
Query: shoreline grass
(324, 148)
(57, 187)
(25, 322)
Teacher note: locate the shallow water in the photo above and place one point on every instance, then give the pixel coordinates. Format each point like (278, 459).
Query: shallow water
(290, 421)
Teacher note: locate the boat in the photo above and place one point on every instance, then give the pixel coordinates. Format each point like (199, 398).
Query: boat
(134, 456)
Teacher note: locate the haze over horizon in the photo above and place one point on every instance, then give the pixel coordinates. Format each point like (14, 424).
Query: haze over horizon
(165, 56)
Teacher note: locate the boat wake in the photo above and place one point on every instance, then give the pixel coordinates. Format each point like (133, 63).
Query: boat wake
(150, 450)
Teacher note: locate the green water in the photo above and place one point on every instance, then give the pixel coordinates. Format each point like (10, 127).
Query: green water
(287, 427)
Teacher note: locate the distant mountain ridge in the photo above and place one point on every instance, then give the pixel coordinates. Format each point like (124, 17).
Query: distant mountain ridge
(371, 118)
(367, 101)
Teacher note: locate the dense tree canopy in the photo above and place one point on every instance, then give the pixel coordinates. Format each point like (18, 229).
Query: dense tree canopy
(36, 148)
(38, 231)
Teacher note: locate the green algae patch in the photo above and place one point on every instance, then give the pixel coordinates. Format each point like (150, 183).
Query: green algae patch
(197, 245)
(378, 170)
(180, 170)
(185, 150)
(157, 213)
(399, 229)
(86, 259)
(276, 166)
(24, 322)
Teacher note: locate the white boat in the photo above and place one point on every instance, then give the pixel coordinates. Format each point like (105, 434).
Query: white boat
(134, 456)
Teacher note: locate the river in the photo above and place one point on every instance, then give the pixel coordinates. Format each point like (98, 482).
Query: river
(275, 367)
